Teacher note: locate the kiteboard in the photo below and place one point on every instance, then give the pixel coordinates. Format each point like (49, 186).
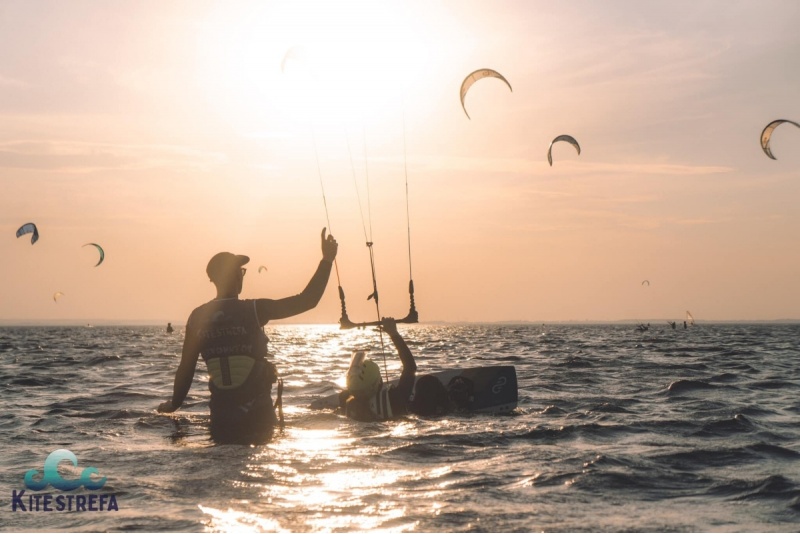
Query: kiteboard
(490, 389)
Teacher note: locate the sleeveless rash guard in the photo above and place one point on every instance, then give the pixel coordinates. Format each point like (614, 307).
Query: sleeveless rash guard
(234, 347)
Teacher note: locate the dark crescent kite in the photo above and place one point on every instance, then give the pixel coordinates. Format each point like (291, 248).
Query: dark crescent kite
(29, 228)
(766, 134)
(100, 250)
(569, 139)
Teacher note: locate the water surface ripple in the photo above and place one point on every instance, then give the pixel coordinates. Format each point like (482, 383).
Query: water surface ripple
(617, 430)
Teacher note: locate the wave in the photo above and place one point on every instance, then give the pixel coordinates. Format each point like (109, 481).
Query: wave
(738, 424)
(609, 407)
(592, 431)
(683, 386)
(604, 418)
(575, 362)
(774, 384)
(700, 459)
(775, 487)
(31, 381)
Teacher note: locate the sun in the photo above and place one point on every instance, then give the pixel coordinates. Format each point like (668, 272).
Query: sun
(320, 63)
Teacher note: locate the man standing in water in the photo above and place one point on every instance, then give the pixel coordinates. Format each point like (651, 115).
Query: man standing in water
(228, 333)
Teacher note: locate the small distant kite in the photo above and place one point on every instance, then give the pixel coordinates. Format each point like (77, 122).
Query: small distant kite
(262, 268)
(646, 282)
(56, 295)
(296, 53)
(99, 249)
(766, 134)
(474, 77)
(569, 139)
(29, 228)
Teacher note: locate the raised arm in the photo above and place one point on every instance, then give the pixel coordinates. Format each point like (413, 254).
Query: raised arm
(269, 309)
(400, 393)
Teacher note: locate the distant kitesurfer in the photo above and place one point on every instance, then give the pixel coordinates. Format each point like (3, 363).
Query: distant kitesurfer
(169, 328)
(228, 333)
(367, 398)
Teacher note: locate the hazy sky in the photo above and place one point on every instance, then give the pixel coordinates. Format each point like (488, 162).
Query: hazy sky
(167, 131)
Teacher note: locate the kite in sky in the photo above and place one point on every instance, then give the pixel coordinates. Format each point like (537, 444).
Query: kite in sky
(766, 135)
(100, 250)
(29, 228)
(569, 139)
(474, 77)
(296, 53)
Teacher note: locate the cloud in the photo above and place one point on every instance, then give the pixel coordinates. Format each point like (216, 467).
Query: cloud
(484, 166)
(78, 157)
(651, 58)
(11, 82)
(670, 169)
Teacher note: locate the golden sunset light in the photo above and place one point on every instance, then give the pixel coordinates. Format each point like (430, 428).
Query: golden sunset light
(170, 133)
(400, 265)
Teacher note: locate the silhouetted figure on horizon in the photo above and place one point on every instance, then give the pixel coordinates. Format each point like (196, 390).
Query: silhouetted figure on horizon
(169, 328)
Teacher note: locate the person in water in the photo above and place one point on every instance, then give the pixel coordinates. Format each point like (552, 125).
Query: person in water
(169, 328)
(228, 333)
(367, 398)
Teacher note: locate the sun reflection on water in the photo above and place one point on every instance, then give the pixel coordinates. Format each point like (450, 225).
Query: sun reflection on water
(231, 520)
(329, 480)
(326, 473)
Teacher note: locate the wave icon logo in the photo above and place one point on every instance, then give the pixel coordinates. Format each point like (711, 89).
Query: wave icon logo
(51, 476)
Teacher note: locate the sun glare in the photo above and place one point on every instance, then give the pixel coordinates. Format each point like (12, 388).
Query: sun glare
(317, 63)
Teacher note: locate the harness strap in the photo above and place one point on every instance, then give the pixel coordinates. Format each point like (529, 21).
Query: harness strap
(380, 405)
(225, 367)
(279, 402)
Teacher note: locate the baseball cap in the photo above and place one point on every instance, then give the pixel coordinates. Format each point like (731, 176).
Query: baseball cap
(223, 264)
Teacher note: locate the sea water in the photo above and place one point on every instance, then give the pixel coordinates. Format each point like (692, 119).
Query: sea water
(692, 429)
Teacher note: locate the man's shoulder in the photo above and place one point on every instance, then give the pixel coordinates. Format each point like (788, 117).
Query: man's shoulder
(212, 308)
(200, 312)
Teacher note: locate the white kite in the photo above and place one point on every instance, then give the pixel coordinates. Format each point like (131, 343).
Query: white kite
(766, 135)
(474, 77)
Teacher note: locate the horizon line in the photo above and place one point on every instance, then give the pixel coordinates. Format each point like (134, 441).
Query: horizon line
(149, 322)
